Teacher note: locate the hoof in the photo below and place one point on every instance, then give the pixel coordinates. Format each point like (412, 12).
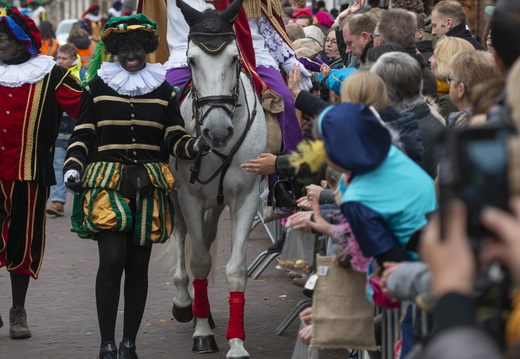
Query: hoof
(206, 344)
(237, 350)
(182, 315)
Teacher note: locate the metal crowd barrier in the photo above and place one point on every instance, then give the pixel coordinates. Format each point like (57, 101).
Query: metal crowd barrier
(274, 231)
(391, 323)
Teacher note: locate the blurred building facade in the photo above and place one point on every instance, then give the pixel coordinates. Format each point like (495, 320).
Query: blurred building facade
(58, 10)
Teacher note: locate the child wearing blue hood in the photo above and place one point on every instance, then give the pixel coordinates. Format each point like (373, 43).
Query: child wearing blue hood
(385, 195)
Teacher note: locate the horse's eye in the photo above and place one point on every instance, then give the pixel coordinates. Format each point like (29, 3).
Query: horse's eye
(191, 62)
(235, 60)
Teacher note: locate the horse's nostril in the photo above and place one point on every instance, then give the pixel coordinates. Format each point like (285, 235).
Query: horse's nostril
(231, 132)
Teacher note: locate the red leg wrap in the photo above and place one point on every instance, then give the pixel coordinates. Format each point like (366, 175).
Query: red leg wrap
(200, 300)
(236, 316)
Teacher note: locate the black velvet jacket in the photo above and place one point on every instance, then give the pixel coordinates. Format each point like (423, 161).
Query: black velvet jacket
(129, 130)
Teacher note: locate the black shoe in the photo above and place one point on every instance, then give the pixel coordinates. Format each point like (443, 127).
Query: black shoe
(108, 351)
(278, 245)
(127, 349)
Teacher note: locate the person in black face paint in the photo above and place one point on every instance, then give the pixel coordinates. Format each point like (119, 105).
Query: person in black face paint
(34, 93)
(118, 164)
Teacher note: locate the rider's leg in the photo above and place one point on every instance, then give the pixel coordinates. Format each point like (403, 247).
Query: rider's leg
(291, 130)
(177, 77)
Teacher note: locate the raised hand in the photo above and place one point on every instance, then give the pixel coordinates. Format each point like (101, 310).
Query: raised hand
(293, 82)
(358, 5)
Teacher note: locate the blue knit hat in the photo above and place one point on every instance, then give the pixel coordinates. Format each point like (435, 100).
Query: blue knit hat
(353, 136)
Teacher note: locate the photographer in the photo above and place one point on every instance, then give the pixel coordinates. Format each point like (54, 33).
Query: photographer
(453, 266)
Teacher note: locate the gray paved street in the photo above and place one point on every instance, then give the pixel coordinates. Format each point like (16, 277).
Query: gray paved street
(62, 315)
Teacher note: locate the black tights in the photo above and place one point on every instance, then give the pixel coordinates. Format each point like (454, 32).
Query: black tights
(118, 254)
(19, 285)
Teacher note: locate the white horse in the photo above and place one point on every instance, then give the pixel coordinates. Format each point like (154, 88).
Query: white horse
(229, 116)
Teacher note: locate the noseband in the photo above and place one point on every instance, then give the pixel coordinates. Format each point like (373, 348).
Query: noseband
(228, 103)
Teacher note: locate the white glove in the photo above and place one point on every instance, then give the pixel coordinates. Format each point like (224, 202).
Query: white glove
(288, 65)
(305, 82)
(71, 176)
(201, 145)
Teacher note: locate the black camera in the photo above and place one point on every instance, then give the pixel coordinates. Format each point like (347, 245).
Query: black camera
(474, 168)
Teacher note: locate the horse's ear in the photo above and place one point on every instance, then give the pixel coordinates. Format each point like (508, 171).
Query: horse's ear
(231, 12)
(191, 15)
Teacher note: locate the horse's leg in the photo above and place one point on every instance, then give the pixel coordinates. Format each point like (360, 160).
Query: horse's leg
(243, 211)
(202, 238)
(182, 302)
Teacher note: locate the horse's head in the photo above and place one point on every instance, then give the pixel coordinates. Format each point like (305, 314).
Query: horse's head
(213, 59)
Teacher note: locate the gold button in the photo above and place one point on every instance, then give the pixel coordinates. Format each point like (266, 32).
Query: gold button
(10, 95)
(133, 139)
(7, 112)
(132, 128)
(5, 130)
(3, 148)
(133, 115)
(135, 153)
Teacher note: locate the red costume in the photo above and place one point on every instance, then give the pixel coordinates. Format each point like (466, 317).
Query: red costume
(36, 92)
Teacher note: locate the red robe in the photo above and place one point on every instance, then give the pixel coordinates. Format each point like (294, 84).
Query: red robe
(30, 116)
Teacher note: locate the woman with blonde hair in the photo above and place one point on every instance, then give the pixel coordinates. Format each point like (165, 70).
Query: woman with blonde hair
(468, 69)
(446, 48)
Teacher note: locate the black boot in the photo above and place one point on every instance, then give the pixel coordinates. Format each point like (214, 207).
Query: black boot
(108, 351)
(127, 349)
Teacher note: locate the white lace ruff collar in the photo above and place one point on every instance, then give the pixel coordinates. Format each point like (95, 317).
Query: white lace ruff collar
(94, 18)
(132, 83)
(29, 72)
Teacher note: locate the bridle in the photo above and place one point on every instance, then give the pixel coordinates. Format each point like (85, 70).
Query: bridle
(228, 103)
(217, 101)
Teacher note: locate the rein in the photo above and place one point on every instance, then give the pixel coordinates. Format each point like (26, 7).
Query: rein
(220, 102)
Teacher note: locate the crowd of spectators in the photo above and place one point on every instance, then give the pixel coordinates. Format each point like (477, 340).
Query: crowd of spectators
(423, 74)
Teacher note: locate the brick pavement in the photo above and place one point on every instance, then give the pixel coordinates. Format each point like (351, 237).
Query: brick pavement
(62, 315)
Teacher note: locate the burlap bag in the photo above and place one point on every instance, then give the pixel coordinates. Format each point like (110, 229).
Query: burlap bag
(342, 316)
(272, 103)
